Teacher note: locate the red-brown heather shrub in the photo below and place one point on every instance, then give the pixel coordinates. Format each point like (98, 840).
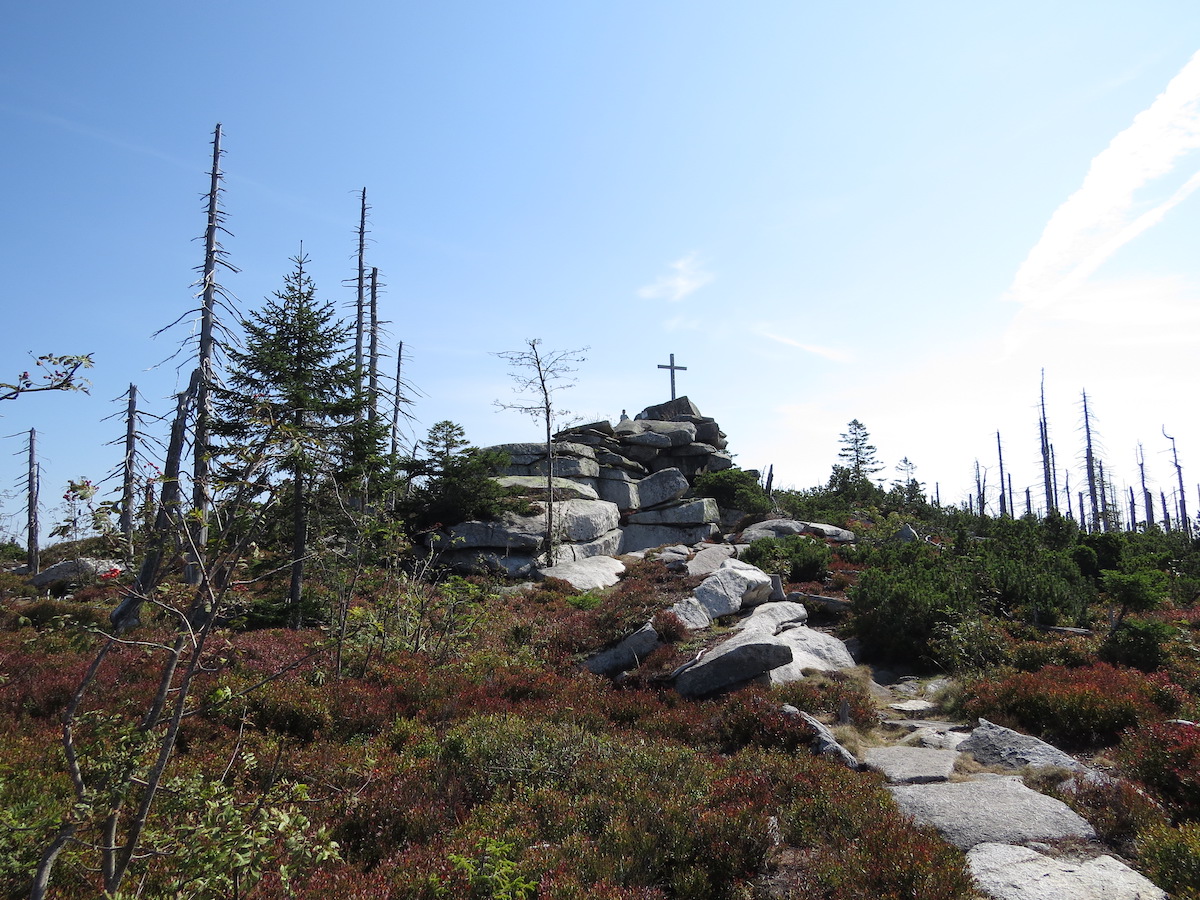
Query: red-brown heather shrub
(824, 694)
(748, 718)
(669, 626)
(1165, 757)
(1081, 707)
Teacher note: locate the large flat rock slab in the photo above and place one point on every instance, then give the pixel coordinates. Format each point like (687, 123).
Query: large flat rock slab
(1004, 872)
(994, 809)
(911, 765)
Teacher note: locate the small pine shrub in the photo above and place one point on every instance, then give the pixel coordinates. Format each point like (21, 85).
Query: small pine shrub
(733, 489)
(795, 556)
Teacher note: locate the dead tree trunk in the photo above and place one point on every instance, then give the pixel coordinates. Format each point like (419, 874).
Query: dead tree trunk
(1182, 517)
(1004, 507)
(201, 443)
(1090, 459)
(1047, 462)
(361, 293)
(33, 558)
(373, 353)
(1147, 497)
(128, 471)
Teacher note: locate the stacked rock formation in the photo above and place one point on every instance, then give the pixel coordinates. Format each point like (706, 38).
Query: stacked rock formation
(617, 489)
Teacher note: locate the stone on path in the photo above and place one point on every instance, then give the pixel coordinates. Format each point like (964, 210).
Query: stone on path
(1004, 872)
(911, 765)
(995, 745)
(913, 706)
(990, 809)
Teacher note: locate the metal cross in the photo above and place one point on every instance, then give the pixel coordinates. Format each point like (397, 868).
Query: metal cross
(674, 368)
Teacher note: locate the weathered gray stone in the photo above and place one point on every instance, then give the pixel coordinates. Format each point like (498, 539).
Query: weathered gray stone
(648, 439)
(1005, 872)
(626, 655)
(782, 527)
(774, 617)
(693, 449)
(640, 453)
(79, 570)
(906, 535)
(603, 427)
(608, 544)
(692, 614)
(737, 660)
(811, 649)
(916, 707)
(718, 462)
(585, 520)
(564, 488)
(911, 765)
(568, 467)
(646, 537)
(679, 434)
(939, 736)
(999, 809)
(825, 744)
(995, 745)
(587, 574)
(680, 406)
(510, 532)
(610, 460)
(733, 585)
(661, 487)
(708, 559)
(687, 512)
(623, 494)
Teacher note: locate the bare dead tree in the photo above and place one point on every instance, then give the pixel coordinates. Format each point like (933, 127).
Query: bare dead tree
(1147, 497)
(32, 552)
(540, 374)
(1182, 517)
(361, 284)
(1047, 463)
(1090, 461)
(373, 351)
(1004, 506)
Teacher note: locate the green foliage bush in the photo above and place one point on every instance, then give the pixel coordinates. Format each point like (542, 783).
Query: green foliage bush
(733, 489)
(898, 610)
(1137, 643)
(797, 557)
(1171, 858)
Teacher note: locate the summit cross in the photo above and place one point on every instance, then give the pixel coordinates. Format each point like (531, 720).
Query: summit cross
(674, 368)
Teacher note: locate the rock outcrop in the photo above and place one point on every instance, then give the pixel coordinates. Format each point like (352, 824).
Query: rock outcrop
(616, 489)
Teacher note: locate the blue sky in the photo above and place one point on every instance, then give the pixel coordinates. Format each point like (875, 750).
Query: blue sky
(896, 212)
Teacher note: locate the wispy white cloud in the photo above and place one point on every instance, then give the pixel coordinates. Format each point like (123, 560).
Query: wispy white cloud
(687, 276)
(830, 353)
(1106, 212)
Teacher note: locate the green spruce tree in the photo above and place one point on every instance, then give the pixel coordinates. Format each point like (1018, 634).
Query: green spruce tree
(292, 387)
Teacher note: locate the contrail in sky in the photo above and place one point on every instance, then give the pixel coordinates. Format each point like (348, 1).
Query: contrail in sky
(1105, 214)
